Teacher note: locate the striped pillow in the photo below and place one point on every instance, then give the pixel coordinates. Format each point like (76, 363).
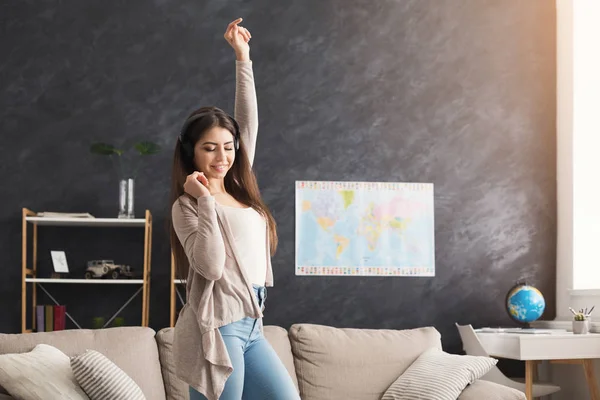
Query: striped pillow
(42, 373)
(438, 375)
(101, 379)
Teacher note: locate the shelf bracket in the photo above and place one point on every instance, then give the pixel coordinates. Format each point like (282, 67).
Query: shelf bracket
(123, 307)
(111, 318)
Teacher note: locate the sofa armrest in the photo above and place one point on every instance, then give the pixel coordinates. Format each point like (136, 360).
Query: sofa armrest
(486, 390)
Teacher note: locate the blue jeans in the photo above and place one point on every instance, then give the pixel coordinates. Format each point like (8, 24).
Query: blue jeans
(258, 373)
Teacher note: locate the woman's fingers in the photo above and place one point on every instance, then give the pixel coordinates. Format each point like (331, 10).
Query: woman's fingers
(202, 179)
(235, 22)
(228, 32)
(235, 31)
(240, 33)
(245, 34)
(232, 25)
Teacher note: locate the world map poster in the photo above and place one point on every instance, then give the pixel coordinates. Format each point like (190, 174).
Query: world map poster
(364, 229)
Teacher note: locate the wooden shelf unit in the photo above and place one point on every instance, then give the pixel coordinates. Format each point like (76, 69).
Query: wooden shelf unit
(29, 274)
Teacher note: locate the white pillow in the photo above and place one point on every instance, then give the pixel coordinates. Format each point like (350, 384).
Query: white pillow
(102, 379)
(438, 375)
(42, 374)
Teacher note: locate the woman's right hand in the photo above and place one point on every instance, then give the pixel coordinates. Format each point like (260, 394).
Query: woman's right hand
(238, 38)
(196, 185)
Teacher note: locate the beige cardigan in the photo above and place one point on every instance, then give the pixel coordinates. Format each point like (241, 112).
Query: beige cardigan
(218, 290)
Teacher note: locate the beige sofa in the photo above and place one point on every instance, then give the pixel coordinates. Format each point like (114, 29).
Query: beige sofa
(325, 363)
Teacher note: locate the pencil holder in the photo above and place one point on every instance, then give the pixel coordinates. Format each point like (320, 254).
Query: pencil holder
(581, 327)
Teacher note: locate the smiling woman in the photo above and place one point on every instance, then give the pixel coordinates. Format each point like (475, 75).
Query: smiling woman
(222, 237)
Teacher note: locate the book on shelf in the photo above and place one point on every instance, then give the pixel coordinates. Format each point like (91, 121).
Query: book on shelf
(39, 321)
(50, 318)
(59, 317)
(49, 214)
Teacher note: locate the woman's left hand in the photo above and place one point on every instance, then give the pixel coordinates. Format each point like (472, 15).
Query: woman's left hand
(238, 37)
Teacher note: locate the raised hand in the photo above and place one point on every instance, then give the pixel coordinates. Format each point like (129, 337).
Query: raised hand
(238, 38)
(196, 185)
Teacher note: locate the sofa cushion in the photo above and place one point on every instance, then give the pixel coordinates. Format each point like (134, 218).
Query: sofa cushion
(101, 379)
(178, 390)
(333, 363)
(43, 373)
(133, 349)
(175, 388)
(438, 375)
(485, 390)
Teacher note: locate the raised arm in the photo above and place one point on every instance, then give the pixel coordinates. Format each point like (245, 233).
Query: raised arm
(246, 111)
(246, 108)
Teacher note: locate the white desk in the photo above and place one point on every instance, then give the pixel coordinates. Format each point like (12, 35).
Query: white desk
(557, 348)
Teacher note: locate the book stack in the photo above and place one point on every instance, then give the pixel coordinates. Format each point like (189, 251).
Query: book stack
(50, 318)
(50, 214)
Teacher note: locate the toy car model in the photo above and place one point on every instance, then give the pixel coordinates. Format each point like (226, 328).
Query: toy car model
(104, 268)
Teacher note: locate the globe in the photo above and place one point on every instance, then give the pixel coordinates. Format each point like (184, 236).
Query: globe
(525, 303)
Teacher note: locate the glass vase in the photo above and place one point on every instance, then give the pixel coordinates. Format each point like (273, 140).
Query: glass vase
(126, 198)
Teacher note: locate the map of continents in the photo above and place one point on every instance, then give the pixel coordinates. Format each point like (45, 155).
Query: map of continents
(364, 228)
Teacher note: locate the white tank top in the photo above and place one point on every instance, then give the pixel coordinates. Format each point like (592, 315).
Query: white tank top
(249, 233)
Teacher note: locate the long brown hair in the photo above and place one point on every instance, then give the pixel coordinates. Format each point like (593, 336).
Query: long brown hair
(240, 181)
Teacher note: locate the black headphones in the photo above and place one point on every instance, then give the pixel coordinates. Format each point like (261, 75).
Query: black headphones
(186, 144)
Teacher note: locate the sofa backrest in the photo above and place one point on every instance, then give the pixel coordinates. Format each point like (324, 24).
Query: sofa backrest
(133, 349)
(178, 390)
(344, 363)
(324, 362)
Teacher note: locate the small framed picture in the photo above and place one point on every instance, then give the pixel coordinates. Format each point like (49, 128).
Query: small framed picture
(59, 260)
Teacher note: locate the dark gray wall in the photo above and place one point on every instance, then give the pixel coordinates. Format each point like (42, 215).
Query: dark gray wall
(458, 93)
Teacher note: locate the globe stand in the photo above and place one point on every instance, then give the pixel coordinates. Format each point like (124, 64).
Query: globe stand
(521, 325)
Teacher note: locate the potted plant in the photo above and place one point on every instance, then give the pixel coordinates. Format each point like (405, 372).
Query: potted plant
(126, 170)
(581, 321)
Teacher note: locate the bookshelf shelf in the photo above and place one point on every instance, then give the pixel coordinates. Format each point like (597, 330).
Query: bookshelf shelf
(91, 222)
(30, 280)
(86, 281)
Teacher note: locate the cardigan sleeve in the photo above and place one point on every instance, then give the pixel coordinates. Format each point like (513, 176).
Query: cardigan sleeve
(199, 233)
(246, 108)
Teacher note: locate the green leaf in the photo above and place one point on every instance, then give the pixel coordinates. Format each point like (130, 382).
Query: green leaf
(105, 149)
(147, 148)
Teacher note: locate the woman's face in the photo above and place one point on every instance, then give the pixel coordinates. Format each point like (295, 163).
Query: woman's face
(214, 153)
